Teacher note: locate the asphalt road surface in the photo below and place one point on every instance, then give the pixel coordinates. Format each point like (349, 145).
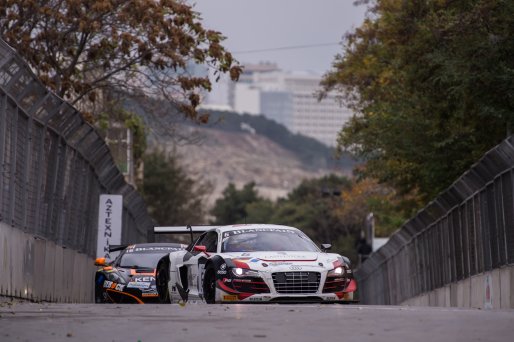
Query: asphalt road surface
(242, 322)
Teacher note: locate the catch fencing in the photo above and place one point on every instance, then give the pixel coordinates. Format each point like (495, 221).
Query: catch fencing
(54, 165)
(467, 230)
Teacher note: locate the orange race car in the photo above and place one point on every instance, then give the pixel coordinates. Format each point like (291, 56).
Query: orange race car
(130, 278)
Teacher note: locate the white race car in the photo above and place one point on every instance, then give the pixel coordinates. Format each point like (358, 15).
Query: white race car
(252, 263)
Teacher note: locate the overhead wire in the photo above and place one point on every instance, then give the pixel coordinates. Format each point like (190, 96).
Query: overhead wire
(292, 47)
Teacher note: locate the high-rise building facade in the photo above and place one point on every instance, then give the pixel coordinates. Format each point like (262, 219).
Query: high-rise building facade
(288, 98)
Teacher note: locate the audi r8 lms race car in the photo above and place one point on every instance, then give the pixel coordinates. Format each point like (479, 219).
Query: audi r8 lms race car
(253, 263)
(130, 278)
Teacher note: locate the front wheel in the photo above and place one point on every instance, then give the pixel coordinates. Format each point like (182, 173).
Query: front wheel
(161, 282)
(209, 286)
(99, 291)
(99, 296)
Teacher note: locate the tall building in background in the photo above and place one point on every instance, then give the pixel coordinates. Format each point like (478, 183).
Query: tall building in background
(287, 98)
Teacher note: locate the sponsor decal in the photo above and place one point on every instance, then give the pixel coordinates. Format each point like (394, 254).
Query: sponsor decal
(256, 299)
(245, 254)
(254, 260)
(280, 263)
(223, 267)
(264, 264)
(138, 285)
(284, 257)
(255, 230)
(230, 298)
(152, 249)
(222, 272)
(320, 264)
(143, 279)
(110, 210)
(243, 280)
(241, 259)
(295, 268)
(149, 294)
(112, 285)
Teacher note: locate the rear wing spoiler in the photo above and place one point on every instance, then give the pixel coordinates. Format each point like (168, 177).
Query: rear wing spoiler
(115, 248)
(182, 230)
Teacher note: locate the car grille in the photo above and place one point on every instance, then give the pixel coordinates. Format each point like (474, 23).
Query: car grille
(296, 282)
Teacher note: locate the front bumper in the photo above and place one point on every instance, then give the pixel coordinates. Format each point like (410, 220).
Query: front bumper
(122, 293)
(227, 292)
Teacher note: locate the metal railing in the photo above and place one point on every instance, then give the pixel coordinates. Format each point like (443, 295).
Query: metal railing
(467, 230)
(54, 165)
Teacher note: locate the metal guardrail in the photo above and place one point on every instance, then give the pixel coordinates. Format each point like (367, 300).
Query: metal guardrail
(467, 230)
(54, 165)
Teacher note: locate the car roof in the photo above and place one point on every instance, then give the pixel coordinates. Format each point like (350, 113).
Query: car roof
(154, 247)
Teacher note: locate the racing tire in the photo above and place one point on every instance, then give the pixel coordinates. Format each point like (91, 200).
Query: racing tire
(99, 291)
(99, 295)
(209, 285)
(161, 283)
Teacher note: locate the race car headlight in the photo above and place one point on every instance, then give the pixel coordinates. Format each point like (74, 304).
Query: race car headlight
(243, 272)
(116, 278)
(336, 272)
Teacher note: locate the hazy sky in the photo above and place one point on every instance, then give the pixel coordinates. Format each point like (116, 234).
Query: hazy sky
(267, 24)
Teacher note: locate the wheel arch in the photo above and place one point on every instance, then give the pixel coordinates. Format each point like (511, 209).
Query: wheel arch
(162, 286)
(164, 259)
(216, 262)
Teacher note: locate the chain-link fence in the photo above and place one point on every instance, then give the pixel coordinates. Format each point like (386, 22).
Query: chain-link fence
(466, 230)
(55, 165)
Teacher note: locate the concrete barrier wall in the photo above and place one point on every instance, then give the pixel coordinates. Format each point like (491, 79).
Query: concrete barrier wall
(36, 269)
(490, 290)
(53, 167)
(466, 232)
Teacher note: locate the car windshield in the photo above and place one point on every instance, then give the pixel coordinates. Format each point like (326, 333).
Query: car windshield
(266, 241)
(141, 260)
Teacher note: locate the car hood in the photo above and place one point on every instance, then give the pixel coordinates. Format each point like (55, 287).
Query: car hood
(276, 256)
(282, 260)
(141, 275)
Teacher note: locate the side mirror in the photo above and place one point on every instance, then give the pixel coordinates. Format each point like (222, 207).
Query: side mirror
(100, 262)
(325, 247)
(200, 248)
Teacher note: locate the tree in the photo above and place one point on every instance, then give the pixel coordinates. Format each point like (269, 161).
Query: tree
(260, 211)
(312, 207)
(431, 83)
(80, 47)
(368, 196)
(172, 195)
(231, 208)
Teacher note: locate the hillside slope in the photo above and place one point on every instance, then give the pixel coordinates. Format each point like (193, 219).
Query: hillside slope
(239, 149)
